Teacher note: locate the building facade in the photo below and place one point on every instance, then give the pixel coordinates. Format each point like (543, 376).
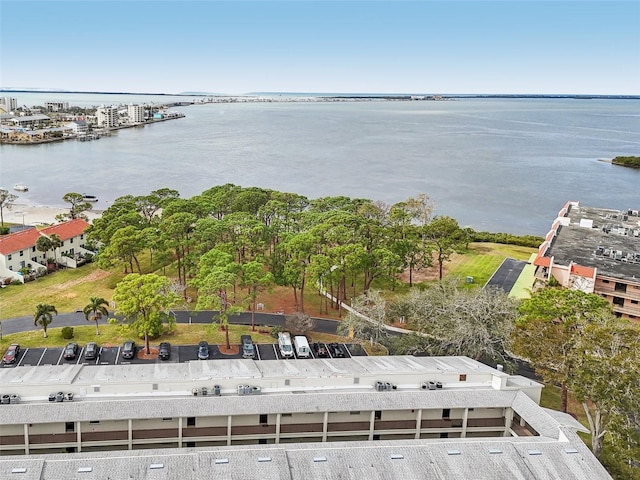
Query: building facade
(8, 104)
(136, 113)
(18, 250)
(107, 116)
(597, 251)
(405, 405)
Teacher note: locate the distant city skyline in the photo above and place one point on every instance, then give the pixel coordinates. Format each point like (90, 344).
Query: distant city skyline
(362, 46)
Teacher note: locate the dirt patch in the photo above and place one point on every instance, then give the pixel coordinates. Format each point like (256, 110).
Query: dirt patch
(92, 277)
(234, 350)
(143, 355)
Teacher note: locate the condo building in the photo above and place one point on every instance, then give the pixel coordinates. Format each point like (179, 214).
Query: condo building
(360, 417)
(595, 250)
(136, 113)
(107, 117)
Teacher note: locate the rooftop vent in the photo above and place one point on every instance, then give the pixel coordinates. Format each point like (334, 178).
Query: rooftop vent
(397, 456)
(264, 459)
(156, 466)
(570, 450)
(535, 452)
(19, 470)
(319, 459)
(495, 451)
(454, 452)
(220, 461)
(85, 469)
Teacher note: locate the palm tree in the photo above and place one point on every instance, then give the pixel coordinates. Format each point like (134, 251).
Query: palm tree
(95, 310)
(44, 316)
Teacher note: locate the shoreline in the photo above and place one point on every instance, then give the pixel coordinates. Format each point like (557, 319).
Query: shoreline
(36, 215)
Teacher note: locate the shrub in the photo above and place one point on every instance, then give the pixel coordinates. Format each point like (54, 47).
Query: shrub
(67, 332)
(275, 331)
(4, 230)
(16, 282)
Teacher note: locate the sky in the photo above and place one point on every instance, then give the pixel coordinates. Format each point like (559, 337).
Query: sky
(329, 46)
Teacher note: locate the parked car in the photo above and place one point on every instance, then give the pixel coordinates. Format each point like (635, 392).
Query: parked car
(203, 350)
(128, 349)
(336, 350)
(248, 350)
(164, 351)
(71, 351)
(320, 350)
(91, 351)
(11, 355)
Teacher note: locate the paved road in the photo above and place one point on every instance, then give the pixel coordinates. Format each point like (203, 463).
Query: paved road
(507, 274)
(22, 324)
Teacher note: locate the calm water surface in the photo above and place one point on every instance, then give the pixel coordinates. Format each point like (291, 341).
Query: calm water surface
(493, 164)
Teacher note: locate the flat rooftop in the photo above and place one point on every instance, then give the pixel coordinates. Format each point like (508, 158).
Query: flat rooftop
(608, 240)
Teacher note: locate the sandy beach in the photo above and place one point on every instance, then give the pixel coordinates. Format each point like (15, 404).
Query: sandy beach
(38, 215)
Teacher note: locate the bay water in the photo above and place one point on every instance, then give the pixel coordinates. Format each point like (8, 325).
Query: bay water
(497, 164)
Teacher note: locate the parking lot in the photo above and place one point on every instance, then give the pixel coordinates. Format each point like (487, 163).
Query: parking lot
(111, 355)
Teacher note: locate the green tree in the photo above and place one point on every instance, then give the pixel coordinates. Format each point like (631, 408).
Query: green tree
(44, 244)
(217, 274)
(77, 208)
(444, 237)
(145, 301)
(124, 246)
(95, 310)
(6, 201)
(549, 328)
(44, 316)
(606, 378)
(256, 279)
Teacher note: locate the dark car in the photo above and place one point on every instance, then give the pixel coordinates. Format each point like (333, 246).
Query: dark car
(164, 351)
(11, 355)
(128, 349)
(91, 351)
(336, 350)
(203, 350)
(320, 350)
(71, 351)
(248, 349)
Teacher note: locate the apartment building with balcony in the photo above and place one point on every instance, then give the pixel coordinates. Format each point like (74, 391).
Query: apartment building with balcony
(595, 250)
(338, 411)
(107, 116)
(136, 113)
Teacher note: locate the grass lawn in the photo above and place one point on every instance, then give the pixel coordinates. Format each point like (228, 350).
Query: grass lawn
(482, 260)
(70, 289)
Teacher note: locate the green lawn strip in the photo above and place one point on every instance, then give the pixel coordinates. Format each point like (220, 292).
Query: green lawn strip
(483, 259)
(114, 335)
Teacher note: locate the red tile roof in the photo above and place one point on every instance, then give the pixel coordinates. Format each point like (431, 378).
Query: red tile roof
(15, 242)
(583, 271)
(27, 238)
(66, 230)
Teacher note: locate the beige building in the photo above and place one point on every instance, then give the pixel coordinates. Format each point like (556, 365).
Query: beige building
(595, 250)
(393, 413)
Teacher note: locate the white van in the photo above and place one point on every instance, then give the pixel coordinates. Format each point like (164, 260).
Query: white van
(284, 342)
(302, 346)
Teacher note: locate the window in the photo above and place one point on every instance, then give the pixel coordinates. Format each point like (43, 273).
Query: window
(22, 253)
(605, 281)
(263, 419)
(191, 421)
(286, 415)
(167, 419)
(94, 422)
(82, 236)
(444, 435)
(463, 377)
(635, 302)
(446, 412)
(355, 412)
(71, 240)
(33, 249)
(69, 426)
(621, 287)
(9, 257)
(378, 414)
(618, 301)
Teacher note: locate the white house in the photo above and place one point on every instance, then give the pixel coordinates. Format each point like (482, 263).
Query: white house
(18, 250)
(78, 127)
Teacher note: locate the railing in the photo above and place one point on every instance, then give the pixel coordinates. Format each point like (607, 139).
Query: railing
(105, 436)
(204, 432)
(300, 427)
(170, 433)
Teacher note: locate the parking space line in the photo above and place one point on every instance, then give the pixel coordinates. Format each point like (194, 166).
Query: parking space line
(24, 354)
(257, 351)
(79, 357)
(41, 356)
(60, 357)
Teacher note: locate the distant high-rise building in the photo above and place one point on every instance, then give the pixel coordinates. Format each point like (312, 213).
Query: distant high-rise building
(56, 106)
(107, 116)
(136, 113)
(8, 104)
